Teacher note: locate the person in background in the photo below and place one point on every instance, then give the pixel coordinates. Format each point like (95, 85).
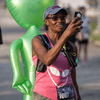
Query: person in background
(1, 42)
(58, 80)
(83, 36)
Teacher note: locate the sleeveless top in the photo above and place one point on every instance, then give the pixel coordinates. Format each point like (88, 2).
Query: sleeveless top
(56, 75)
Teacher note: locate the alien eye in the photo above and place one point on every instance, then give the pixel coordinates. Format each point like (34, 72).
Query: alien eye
(65, 73)
(54, 71)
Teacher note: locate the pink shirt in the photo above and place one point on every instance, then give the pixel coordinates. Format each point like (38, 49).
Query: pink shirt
(59, 72)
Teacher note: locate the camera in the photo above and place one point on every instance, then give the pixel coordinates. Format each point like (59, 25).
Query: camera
(78, 14)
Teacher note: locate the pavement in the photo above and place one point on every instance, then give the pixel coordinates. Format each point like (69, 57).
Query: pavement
(88, 75)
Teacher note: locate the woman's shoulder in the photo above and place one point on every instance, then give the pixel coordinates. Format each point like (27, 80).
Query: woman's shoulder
(37, 41)
(37, 38)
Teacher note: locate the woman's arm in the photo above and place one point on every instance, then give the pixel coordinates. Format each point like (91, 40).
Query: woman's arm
(48, 57)
(73, 74)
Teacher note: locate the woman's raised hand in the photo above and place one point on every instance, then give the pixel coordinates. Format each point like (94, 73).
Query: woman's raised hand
(74, 27)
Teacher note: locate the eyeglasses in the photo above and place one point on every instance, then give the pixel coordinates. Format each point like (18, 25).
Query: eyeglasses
(55, 17)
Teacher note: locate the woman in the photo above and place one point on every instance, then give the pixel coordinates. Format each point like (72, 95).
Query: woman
(58, 73)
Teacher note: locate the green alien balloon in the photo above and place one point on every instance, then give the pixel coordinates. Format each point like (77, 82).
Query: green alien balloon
(28, 12)
(29, 15)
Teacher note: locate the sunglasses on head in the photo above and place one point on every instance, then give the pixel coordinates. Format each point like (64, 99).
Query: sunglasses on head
(55, 17)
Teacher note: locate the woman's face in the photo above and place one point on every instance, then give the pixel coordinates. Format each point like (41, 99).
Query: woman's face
(56, 23)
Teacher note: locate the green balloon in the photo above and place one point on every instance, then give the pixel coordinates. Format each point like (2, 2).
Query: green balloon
(28, 12)
(29, 15)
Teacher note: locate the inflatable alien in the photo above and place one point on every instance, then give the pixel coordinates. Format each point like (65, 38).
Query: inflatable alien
(29, 15)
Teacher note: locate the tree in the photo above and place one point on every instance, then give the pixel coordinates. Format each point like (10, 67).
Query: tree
(95, 3)
(92, 2)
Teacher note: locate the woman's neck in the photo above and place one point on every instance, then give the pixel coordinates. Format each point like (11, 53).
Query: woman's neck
(54, 36)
